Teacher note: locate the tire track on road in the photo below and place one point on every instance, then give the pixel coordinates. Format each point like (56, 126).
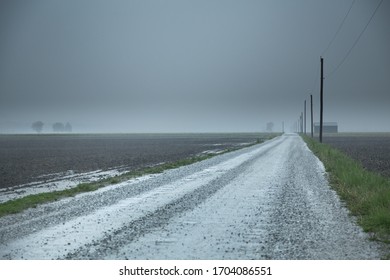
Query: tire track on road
(162, 216)
(83, 226)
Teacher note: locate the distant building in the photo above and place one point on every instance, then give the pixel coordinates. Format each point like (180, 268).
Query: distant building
(327, 127)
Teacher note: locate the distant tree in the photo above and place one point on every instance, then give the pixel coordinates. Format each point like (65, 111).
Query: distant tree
(58, 127)
(270, 126)
(68, 127)
(37, 126)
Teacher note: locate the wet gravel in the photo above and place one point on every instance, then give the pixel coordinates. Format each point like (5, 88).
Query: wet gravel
(269, 201)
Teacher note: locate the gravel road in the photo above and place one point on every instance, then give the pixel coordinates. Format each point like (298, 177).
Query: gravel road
(268, 201)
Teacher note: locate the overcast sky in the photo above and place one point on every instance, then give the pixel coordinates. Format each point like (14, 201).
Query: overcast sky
(191, 66)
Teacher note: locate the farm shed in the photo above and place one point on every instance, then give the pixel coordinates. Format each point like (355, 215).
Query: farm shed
(328, 127)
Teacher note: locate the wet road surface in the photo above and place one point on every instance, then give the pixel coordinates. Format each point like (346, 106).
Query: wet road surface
(268, 201)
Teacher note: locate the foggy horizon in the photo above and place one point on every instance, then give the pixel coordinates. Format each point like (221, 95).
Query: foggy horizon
(192, 66)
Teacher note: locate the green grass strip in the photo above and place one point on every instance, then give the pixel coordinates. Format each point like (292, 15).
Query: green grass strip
(366, 193)
(31, 201)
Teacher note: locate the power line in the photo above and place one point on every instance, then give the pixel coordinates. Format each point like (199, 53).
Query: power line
(338, 30)
(356, 41)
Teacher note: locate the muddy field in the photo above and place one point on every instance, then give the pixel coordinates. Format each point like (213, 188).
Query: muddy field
(254, 203)
(26, 158)
(372, 150)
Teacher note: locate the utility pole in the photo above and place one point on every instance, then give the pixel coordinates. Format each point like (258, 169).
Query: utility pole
(301, 122)
(321, 98)
(311, 105)
(304, 110)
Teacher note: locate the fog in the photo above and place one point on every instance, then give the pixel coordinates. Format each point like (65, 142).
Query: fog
(191, 66)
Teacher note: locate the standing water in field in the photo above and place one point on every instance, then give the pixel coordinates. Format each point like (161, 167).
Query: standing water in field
(38, 163)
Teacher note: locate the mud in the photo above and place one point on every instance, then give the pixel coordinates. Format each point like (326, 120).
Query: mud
(372, 151)
(268, 201)
(30, 158)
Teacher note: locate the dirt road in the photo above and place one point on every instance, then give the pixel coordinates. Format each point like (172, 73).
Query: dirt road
(268, 201)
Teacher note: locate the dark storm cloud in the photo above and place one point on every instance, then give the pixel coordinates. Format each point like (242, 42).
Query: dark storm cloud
(190, 65)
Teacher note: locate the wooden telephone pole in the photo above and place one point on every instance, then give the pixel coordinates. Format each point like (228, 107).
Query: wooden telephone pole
(301, 122)
(311, 107)
(304, 123)
(321, 98)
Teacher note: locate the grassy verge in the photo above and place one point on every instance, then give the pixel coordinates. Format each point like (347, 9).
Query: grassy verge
(30, 201)
(366, 194)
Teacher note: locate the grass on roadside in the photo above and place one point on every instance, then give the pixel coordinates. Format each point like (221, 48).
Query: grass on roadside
(31, 201)
(366, 193)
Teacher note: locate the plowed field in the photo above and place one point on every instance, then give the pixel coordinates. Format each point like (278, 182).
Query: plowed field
(26, 158)
(371, 150)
